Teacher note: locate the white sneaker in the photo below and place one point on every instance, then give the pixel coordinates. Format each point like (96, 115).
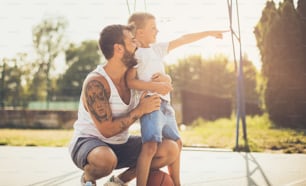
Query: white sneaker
(88, 183)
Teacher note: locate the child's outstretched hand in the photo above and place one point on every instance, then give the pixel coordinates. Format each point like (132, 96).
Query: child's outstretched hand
(218, 34)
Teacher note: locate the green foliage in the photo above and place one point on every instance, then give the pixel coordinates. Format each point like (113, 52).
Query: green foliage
(14, 75)
(23, 80)
(49, 41)
(215, 76)
(251, 83)
(80, 60)
(204, 76)
(268, 15)
(279, 36)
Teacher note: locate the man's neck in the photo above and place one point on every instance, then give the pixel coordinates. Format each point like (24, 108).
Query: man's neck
(115, 70)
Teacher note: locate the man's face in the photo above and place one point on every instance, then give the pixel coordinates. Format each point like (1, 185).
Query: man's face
(128, 57)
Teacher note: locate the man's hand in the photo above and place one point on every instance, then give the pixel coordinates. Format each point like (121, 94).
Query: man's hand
(148, 104)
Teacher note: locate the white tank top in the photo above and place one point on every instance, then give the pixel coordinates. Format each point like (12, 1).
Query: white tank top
(84, 125)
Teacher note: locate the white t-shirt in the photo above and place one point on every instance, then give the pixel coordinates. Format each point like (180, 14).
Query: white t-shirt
(150, 61)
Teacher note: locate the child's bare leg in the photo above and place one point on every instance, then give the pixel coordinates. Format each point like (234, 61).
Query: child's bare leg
(144, 162)
(174, 168)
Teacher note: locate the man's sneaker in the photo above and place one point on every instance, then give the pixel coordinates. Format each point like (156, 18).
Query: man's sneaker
(87, 183)
(114, 181)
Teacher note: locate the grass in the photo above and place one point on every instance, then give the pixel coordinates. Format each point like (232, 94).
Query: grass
(33, 137)
(262, 136)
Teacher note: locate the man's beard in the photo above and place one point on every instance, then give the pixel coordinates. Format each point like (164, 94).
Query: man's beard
(129, 59)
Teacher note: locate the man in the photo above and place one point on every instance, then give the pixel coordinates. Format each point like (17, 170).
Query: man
(107, 109)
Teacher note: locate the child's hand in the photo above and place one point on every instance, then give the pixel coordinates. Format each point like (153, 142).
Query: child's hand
(162, 88)
(159, 77)
(218, 34)
(162, 83)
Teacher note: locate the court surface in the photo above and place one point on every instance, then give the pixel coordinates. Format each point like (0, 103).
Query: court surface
(52, 166)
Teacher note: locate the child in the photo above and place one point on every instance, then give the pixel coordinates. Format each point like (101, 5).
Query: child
(149, 75)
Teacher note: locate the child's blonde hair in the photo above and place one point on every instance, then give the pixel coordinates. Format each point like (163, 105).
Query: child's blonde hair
(139, 19)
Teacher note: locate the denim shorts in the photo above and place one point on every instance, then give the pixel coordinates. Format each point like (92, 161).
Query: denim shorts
(159, 124)
(127, 153)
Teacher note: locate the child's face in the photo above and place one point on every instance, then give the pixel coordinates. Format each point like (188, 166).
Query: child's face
(150, 31)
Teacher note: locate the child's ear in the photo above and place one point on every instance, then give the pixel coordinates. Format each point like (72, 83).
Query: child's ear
(139, 32)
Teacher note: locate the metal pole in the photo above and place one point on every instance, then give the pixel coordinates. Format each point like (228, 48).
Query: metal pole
(241, 81)
(240, 107)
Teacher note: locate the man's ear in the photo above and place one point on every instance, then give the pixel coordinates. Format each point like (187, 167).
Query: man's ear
(118, 48)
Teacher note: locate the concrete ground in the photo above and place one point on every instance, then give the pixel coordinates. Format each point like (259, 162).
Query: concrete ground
(49, 166)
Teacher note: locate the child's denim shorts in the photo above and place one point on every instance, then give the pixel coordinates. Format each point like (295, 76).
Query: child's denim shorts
(159, 124)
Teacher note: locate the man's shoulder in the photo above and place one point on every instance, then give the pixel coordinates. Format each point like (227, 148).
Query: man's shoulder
(95, 77)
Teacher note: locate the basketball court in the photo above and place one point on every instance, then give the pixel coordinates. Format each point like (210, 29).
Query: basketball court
(49, 166)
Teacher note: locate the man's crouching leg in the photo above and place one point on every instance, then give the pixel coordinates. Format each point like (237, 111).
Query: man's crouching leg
(101, 162)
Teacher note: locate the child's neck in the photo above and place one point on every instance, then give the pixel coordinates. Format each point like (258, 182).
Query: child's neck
(144, 45)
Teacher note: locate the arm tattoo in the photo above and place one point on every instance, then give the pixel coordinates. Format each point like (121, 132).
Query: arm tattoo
(97, 100)
(125, 123)
(135, 117)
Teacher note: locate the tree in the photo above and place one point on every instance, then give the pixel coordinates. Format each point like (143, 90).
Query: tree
(2, 82)
(301, 10)
(253, 100)
(202, 75)
(212, 78)
(49, 41)
(13, 81)
(269, 13)
(279, 38)
(80, 60)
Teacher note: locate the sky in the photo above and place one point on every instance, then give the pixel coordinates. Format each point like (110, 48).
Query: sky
(174, 18)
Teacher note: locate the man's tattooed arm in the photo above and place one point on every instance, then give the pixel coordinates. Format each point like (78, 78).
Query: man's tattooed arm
(97, 100)
(125, 122)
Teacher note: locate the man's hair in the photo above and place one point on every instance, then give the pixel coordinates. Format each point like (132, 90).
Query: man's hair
(111, 35)
(139, 19)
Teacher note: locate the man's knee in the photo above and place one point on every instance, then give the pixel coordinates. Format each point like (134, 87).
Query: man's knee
(102, 160)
